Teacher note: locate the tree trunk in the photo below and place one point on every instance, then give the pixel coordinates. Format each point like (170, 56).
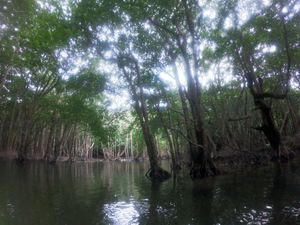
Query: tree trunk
(155, 173)
(201, 162)
(269, 128)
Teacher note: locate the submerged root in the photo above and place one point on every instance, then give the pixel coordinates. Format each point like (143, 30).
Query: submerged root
(157, 174)
(20, 160)
(282, 155)
(175, 168)
(203, 170)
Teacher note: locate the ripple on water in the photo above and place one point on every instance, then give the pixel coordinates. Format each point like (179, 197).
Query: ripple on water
(10, 209)
(290, 211)
(256, 217)
(121, 213)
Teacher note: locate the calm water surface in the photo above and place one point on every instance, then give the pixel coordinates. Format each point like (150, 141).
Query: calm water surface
(118, 193)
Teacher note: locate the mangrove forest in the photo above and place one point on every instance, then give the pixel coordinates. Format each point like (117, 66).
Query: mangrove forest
(149, 112)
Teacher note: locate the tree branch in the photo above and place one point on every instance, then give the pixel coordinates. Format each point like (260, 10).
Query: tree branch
(240, 118)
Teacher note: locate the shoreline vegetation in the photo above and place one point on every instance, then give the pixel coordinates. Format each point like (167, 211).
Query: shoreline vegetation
(228, 161)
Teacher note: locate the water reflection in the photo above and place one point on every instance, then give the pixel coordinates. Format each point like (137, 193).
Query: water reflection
(207, 201)
(121, 213)
(119, 194)
(279, 194)
(256, 217)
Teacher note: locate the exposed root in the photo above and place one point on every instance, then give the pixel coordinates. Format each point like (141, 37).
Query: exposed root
(203, 170)
(157, 174)
(283, 155)
(176, 167)
(20, 160)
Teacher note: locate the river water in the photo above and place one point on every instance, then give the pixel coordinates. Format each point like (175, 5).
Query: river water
(118, 193)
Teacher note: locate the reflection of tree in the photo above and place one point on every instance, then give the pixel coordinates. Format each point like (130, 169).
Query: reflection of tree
(38, 193)
(277, 193)
(180, 203)
(203, 201)
(153, 203)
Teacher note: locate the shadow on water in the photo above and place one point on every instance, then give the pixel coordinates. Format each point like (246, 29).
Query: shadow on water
(280, 192)
(204, 193)
(119, 194)
(154, 208)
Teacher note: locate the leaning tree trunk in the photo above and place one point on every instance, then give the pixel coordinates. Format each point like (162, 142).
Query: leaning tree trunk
(267, 126)
(175, 165)
(259, 93)
(155, 173)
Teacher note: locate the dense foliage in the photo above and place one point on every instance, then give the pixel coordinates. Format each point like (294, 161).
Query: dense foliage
(207, 80)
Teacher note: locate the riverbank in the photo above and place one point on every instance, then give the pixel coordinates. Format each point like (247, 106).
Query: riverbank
(228, 160)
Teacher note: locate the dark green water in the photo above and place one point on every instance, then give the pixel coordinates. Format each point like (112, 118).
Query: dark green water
(118, 193)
